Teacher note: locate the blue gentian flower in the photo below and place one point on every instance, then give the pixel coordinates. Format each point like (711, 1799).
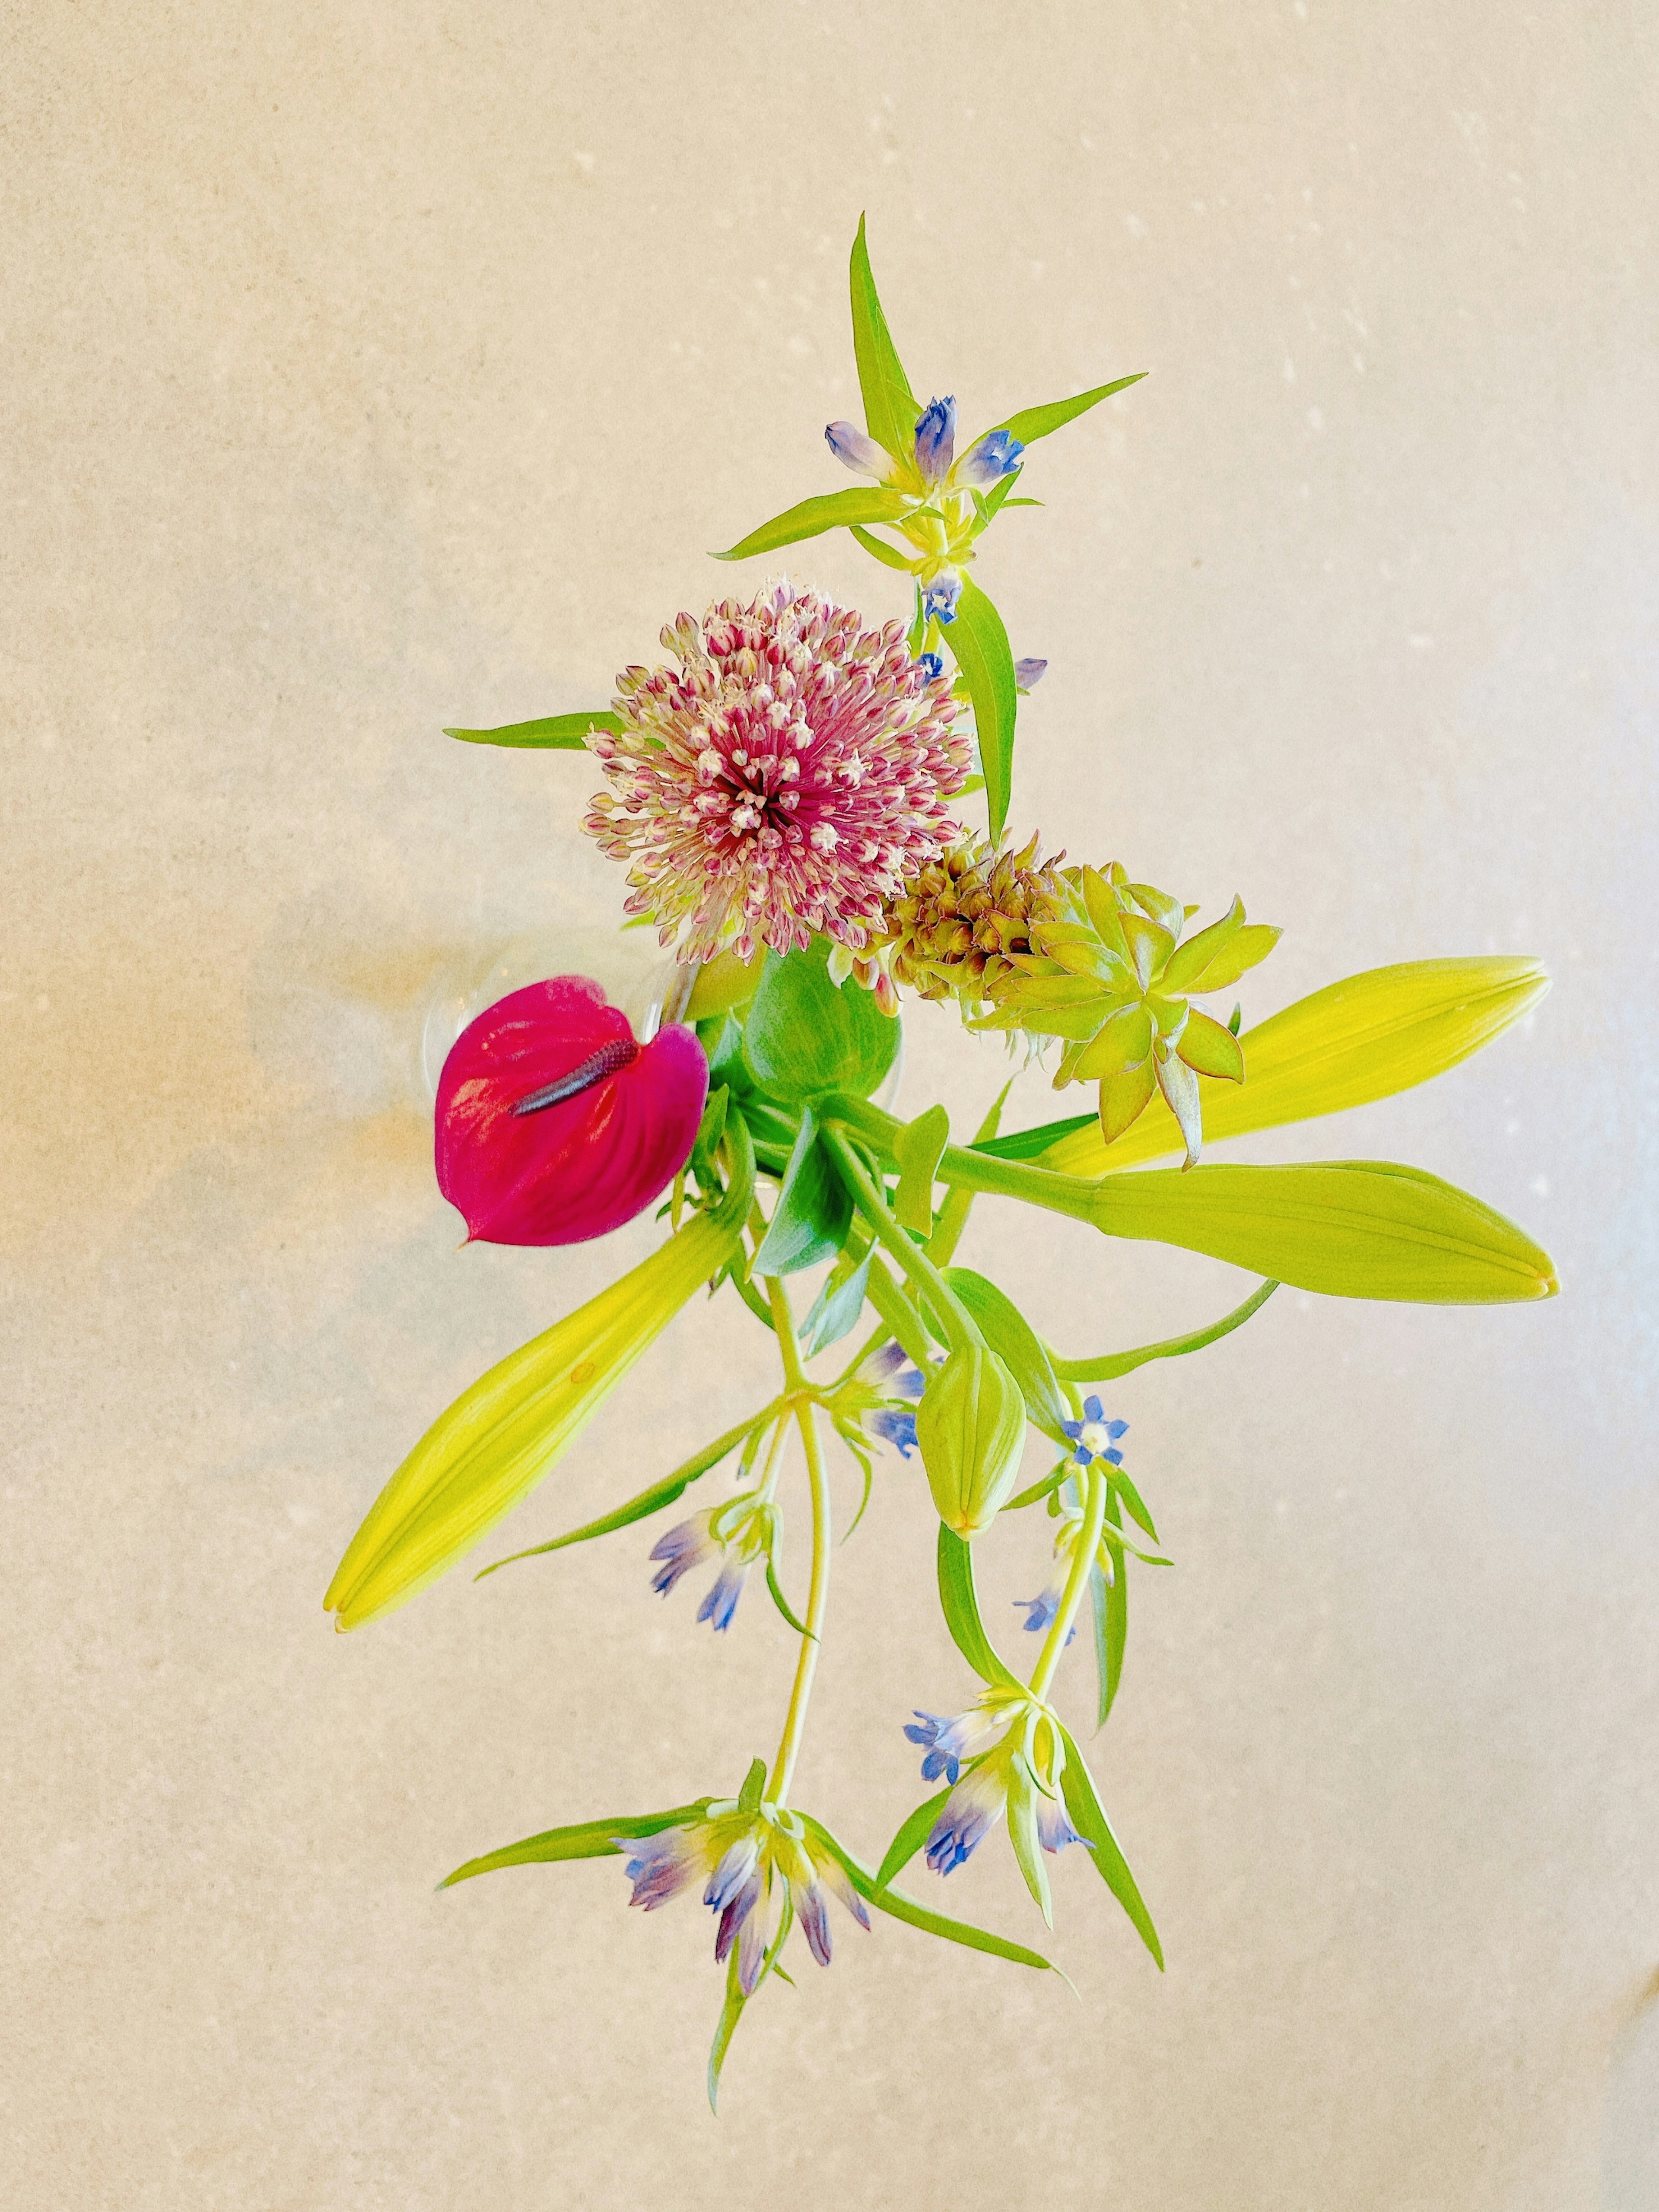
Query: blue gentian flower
(737, 1534)
(745, 1856)
(860, 453)
(1040, 1611)
(1094, 1437)
(1027, 673)
(1006, 1754)
(934, 663)
(996, 455)
(936, 441)
(939, 598)
(888, 1372)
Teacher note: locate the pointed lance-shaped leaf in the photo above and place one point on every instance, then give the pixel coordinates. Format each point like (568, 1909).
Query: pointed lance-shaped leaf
(492, 1447)
(1356, 1041)
(890, 406)
(831, 510)
(980, 645)
(1033, 422)
(561, 732)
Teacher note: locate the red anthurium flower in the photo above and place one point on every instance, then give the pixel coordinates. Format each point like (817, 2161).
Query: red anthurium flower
(554, 1125)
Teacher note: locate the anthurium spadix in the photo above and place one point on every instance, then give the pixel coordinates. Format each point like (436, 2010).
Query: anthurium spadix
(500, 1438)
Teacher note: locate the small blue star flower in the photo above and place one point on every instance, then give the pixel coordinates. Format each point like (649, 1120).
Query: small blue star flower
(934, 663)
(1094, 1437)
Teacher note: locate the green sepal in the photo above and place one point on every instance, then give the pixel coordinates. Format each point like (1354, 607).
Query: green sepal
(1088, 1818)
(1136, 1504)
(959, 1602)
(898, 1907)
(890, 406)
(913, 1833)
(647, 1502)
(1028, 1851)
(813, 1213)
(1012, 1337)
(979, 645)
(811, 518)
(917, 1148)
(1034, 422)
(726, 2028)
(586, 1839)
(754, 1787)
(557, 733)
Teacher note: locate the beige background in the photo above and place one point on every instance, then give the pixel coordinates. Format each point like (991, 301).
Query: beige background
(371, 368)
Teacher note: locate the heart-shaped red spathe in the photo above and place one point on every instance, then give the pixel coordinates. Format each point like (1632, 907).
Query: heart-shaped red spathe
(580, 1167)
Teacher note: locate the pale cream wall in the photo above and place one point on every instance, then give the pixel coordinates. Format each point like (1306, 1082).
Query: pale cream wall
(370, 367)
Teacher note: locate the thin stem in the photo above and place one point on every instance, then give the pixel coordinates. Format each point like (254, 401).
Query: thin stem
(914, 1262)
(1082, 1558)
(769, 1481)
(806, 1664)
(964, 1169)
(817, 1596)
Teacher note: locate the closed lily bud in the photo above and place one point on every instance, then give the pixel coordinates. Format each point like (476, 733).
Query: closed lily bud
(971, 1427)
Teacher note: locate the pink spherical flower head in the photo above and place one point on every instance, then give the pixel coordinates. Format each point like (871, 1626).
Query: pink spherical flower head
(554, 1125)
(790, 774)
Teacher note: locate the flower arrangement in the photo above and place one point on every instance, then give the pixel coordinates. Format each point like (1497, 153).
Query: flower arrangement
(788, 793)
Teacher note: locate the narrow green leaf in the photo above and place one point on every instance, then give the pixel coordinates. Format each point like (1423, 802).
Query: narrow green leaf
(890, 406)
(917, 1148)
(587, 1839)
(726, 2028)
(811, 518)
(1110, 1364)
(1352, 1042)
(959, 1601)
(560, 733)
(648, 1501)
(979, 645)
(895, 1903)
(1134, 1502)
(1347, 1228)
(1033, 422)
(1033, 1144)
(775, 1588)
(1110, 1602)
(813, 1213)
(889, 556)
(1088, 1818)
(913, 1834)
(1011, 1336)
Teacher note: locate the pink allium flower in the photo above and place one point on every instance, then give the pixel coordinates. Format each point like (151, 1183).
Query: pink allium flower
(553, 1124)
(784, 778)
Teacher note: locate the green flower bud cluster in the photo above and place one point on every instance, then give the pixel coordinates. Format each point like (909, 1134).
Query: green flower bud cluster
(1112, 978)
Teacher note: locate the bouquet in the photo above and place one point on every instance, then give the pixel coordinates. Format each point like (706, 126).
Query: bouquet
(812, 809)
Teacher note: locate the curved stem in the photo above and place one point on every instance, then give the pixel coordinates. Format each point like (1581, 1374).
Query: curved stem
(1083, 1558)
(817, 1596)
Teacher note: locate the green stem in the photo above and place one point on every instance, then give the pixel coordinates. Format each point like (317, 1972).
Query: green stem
(898, 1319)
(1088, 1543)
(918, 1268)
(964, 1169)
(817, 1596)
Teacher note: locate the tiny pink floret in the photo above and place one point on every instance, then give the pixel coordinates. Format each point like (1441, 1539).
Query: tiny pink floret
(788, 776)
(579, 1167)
